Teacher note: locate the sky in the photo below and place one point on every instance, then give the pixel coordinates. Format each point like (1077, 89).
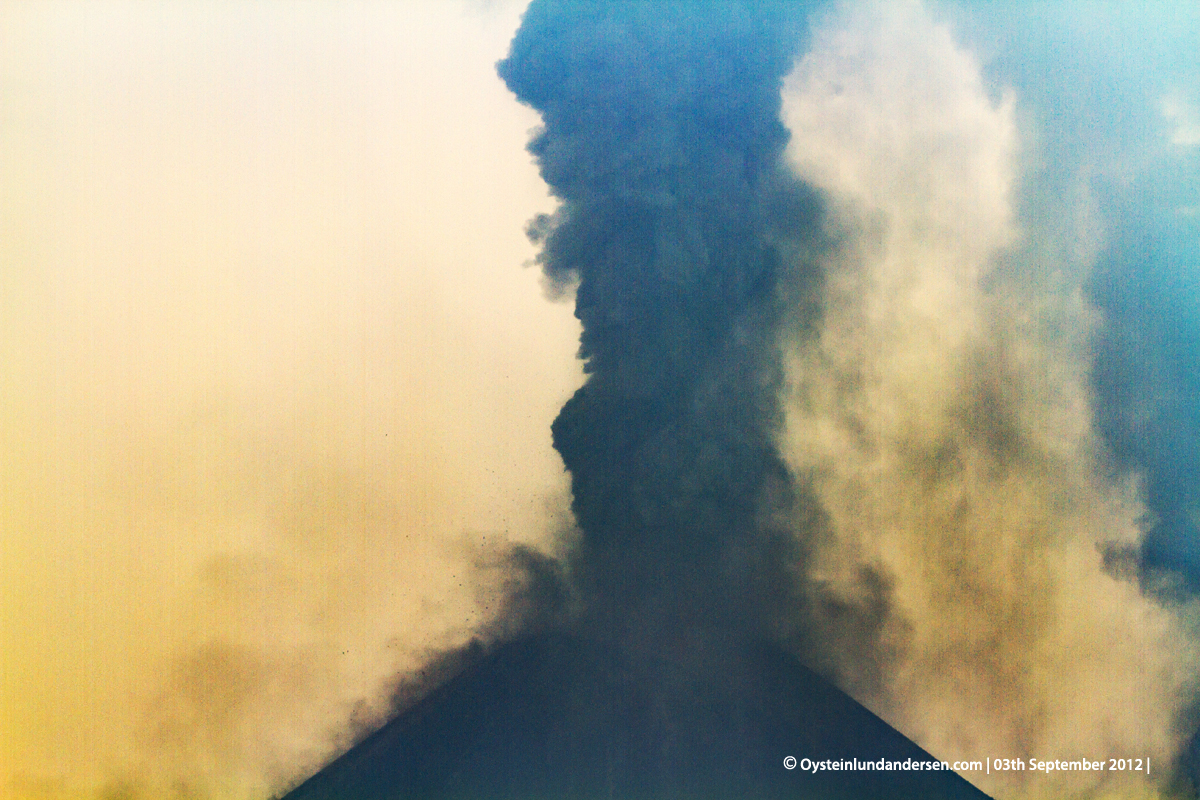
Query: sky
(278, 374)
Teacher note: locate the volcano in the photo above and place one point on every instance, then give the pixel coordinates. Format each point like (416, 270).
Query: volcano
(553, 716)
(688, 248)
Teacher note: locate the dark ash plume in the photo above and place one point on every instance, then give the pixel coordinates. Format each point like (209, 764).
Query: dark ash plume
(662, 139)
(683, 238)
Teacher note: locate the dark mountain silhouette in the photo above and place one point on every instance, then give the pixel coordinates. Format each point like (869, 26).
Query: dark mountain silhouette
(554, 716)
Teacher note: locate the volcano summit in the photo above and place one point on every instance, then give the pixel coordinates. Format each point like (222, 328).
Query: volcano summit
(682, 237)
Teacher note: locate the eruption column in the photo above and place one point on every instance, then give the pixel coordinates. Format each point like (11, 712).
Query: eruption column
(662, 139)
(677, 228)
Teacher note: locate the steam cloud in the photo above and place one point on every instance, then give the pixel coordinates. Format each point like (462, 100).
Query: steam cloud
(946, 415)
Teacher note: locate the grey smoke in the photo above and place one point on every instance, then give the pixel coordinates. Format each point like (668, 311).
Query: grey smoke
(661, 137)
(996, 403)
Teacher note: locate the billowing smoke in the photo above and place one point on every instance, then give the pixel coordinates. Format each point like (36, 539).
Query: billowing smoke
(946, 415)
(662, 138)
(955, 525)
(919, 401)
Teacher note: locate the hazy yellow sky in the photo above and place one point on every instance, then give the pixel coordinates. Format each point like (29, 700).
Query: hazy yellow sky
(268, 353)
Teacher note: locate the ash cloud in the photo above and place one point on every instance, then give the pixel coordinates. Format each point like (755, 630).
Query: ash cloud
(988, 397)
(982, 357)
(661, 138)
(948, 434)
